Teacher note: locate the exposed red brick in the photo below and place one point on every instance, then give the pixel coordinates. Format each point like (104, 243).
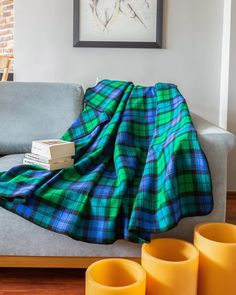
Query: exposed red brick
(7, 38)
(6, 2)
(6, 14)
(7, 27)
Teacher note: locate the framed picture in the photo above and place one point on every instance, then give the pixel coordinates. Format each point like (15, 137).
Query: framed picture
(118, 23)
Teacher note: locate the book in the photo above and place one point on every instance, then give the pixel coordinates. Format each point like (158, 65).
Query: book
(50, 167)
(53, 148)
(45, 160)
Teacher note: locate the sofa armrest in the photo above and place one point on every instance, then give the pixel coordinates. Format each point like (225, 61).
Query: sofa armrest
(208, 132)
(216, 143)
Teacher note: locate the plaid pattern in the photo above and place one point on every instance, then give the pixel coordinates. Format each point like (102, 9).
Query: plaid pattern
(138, 169)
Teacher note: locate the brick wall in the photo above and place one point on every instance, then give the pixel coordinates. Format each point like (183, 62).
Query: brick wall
(7, 27)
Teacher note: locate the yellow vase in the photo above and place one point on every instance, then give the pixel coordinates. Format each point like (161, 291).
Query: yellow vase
(115, 277)
(171, 266)
(217, 265)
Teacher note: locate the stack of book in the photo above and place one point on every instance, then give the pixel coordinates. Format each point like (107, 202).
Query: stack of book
(51, 154)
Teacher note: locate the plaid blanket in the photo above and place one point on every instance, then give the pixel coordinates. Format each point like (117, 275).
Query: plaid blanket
(138, 169)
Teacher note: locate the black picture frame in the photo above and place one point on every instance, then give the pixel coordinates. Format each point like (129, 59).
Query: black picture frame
(117, 44)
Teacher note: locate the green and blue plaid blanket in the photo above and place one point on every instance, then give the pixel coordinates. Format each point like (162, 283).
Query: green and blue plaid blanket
(138, 169)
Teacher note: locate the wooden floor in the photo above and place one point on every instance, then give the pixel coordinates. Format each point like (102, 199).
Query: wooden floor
(231, 210)
(58, 281)
(41, 282)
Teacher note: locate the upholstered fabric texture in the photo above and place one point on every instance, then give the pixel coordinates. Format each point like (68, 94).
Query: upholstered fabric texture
(21, 237)
(31, 111)
(9, 161)
(16, 233)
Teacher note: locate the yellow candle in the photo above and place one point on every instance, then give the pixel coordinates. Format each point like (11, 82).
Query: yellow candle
(171, 266)
(115, 277)
(217, 266)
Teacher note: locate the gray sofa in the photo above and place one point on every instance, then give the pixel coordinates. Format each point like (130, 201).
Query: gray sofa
(30, 111)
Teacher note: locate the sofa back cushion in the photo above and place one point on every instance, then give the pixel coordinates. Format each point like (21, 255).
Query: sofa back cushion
(31, 111)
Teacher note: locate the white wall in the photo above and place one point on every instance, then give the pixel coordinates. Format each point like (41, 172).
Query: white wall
(192, 60)
(232, 101)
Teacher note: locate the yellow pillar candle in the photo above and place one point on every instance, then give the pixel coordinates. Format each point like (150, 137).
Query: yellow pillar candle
(115, 277)
(217, 265)
(171, 266)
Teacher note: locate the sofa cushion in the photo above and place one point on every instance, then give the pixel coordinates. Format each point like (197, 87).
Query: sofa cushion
(26, 238)
(31, 111)
(20, 237)
(10, 161)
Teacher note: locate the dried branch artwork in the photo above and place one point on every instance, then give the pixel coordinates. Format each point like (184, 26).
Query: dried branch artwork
(106, 11)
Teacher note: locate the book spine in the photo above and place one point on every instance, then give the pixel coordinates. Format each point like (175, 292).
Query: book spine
(36, 158)
(32, 162)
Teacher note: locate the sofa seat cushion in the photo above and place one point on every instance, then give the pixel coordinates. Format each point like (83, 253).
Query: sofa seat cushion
(7, 162)
(22, 238)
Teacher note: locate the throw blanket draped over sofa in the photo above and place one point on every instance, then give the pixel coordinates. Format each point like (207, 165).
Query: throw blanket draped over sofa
(138, 169)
